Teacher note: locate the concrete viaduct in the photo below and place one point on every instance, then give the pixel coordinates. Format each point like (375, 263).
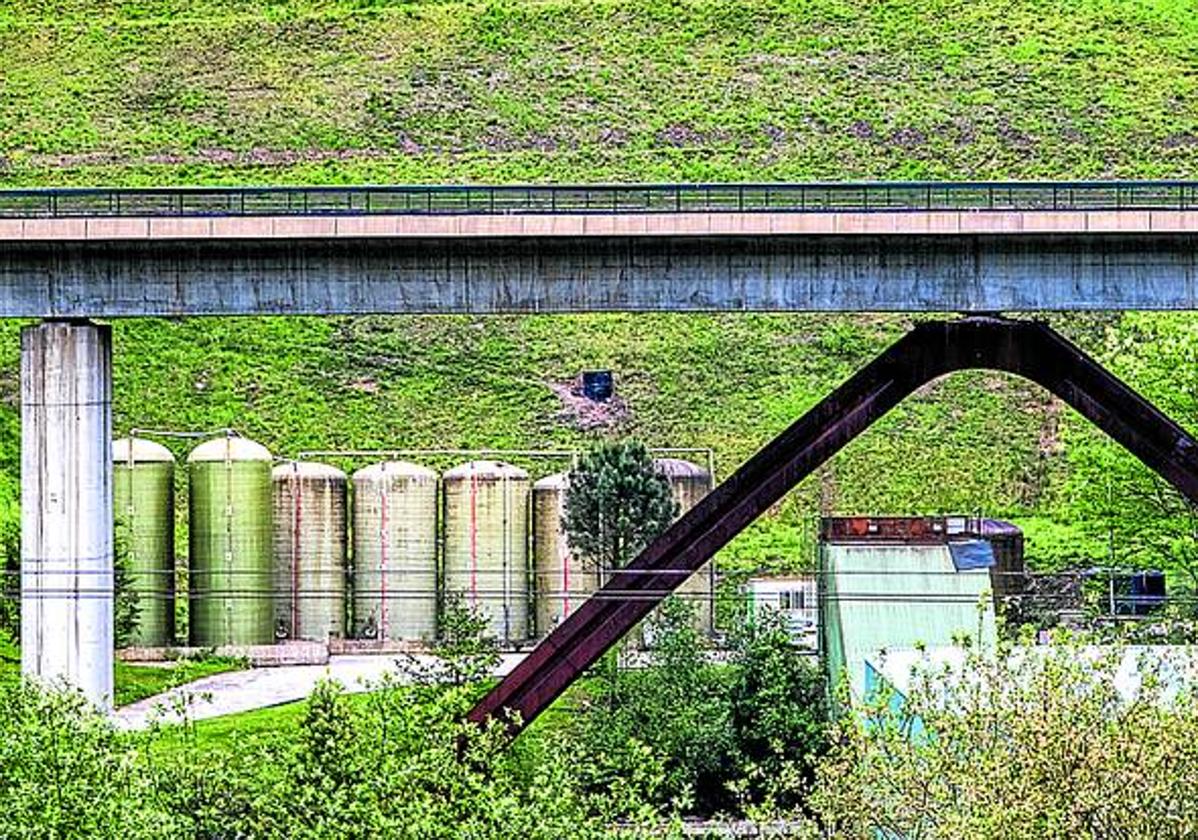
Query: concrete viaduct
(70, 255)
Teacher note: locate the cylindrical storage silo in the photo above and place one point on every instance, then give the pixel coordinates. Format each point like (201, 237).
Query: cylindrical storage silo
(563, 581)
(143, 492)
(309, 551)
(689, 483)
(486, 544)
(395, 552)
(230, 583)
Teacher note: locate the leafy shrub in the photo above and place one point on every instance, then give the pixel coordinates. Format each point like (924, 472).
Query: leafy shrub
(1035, 745)
(65, 772)
(722, 736)
(397, 762)
(779, 715)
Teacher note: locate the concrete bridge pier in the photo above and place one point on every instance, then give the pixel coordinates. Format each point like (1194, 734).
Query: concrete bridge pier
(66, 506)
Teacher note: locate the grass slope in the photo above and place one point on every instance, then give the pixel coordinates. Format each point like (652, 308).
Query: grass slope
(232, 91)
(154, 91)
(132, 682)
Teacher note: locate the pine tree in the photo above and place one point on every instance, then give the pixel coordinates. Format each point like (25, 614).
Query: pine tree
(616, 504)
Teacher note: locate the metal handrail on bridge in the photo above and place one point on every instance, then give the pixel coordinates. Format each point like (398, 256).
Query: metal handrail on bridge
(847, 197)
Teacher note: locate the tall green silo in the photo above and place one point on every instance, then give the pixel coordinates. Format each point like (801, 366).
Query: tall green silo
(230, 590)
(143, 492)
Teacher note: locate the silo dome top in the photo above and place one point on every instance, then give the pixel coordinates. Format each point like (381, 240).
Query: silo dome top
(557, 481)
(140, 451)
(678, 468)
(307, 469)
(486, 470)
(229, 449)
(393, 469)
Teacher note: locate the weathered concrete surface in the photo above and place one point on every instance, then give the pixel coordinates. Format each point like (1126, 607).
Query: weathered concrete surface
(256, 688)
(949, 272)
(66, 506)
(490, 225)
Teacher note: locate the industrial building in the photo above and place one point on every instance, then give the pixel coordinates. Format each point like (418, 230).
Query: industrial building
(890, 584)
(283, 550)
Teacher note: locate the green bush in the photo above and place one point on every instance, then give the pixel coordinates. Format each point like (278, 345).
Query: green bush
(707, 738)
(779, 715)
(65, 772)
(398, 762)
(1039, 745)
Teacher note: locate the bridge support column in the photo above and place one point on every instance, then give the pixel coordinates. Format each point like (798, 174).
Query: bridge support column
(66, 506)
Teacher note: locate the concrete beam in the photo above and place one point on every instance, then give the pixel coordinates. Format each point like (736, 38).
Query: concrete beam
(595, 224)
(862, 272)
(66, 507)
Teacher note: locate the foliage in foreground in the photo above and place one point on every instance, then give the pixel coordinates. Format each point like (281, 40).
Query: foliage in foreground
(1036, 745)
(741, 739)
(1039, 744)
(399, 764)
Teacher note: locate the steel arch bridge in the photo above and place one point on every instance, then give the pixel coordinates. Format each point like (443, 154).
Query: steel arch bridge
(1028, 349)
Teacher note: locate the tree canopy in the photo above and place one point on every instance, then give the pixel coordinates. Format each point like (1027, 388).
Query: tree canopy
(616, 504)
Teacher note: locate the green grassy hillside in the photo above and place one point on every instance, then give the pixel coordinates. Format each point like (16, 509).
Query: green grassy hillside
(242, 91)
(155, 91)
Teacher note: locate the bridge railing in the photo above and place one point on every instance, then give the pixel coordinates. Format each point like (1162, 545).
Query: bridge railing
(593, 199)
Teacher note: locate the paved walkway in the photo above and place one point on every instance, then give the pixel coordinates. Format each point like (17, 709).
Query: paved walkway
(257, 688)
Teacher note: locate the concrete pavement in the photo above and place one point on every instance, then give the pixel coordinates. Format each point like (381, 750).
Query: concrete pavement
(257, 688)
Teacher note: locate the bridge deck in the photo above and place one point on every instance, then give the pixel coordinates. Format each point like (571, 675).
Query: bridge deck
(955, 247)
(597, 224)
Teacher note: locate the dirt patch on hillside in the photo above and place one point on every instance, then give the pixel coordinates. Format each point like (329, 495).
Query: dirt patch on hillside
(585, 413)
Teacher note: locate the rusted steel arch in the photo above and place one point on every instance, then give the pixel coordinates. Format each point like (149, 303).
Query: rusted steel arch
(1025, 348)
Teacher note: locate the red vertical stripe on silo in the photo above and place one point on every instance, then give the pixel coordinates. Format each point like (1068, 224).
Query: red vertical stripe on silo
(473, 538)
(296, 524)
(384, 536)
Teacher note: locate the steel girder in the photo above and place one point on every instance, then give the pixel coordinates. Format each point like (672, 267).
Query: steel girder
(1029, 349)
